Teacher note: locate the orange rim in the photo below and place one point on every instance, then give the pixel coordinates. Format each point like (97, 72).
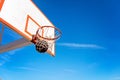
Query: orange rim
(56, 36)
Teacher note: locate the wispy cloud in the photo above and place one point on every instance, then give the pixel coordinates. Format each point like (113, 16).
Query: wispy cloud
(2, 63)
(28, 69)
(78, 45)
(116, 78)
(4, 58)
(12, 52)
(70, 70)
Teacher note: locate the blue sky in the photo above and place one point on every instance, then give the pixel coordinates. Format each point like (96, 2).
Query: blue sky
(89, 48)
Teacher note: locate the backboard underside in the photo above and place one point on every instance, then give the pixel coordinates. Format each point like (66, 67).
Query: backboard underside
(25, 18)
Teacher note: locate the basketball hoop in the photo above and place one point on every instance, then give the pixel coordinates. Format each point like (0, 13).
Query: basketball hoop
(45, 37)
(48, 33)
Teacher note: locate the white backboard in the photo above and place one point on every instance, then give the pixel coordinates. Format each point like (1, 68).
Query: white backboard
(25, 18)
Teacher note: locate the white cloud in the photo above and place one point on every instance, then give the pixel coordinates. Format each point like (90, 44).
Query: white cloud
(28, 68)
(2, 63)
(116, 78)
(4, 58)
(78, 45)
(7, 56)
(12, 52)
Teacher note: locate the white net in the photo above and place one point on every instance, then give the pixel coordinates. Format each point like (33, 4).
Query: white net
(47, 33)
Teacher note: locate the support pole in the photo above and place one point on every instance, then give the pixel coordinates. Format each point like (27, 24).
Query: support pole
(1, 33)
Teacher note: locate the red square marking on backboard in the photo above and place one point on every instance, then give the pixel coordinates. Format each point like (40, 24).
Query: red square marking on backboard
(27, 22)
(1, 4)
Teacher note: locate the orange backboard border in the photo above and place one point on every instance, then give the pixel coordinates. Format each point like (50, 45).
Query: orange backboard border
(1, 4)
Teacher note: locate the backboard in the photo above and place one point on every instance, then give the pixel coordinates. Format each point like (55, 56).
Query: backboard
(25, 18)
